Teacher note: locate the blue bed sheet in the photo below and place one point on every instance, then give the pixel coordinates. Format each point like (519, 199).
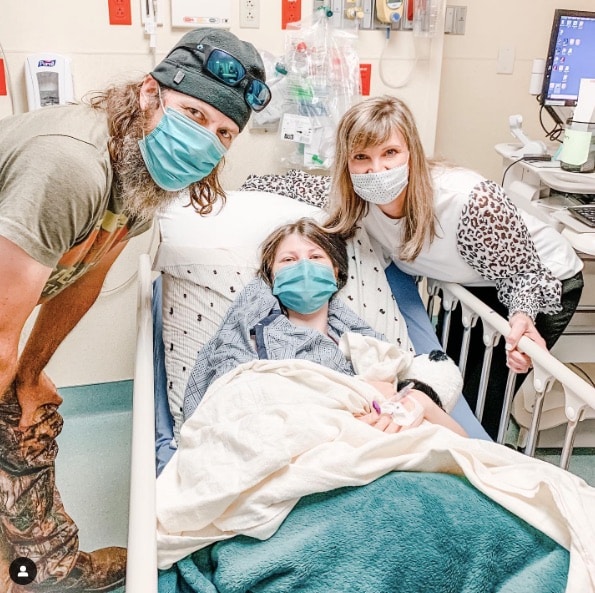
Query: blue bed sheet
(420, 330)
(406, 532)
(164, 424)
(424, 339)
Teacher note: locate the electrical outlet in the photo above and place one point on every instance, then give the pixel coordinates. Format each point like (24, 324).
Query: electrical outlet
(365, 72)
(3, 89)
(291, 12)
(119, 12)
(250, 14)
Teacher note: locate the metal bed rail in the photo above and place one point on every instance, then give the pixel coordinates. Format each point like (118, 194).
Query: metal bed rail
(141, 573)
(141, 566)
(578, 394)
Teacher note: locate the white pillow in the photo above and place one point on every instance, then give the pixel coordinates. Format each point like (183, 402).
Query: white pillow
(246, 219)
(206, 261)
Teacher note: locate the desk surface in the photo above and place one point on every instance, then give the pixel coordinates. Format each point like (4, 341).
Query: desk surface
(549, 174)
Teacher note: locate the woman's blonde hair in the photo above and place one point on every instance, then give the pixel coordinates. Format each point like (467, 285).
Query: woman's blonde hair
(370, 123)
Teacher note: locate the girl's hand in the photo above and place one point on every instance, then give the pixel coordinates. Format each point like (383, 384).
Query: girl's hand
(386, 423)
(521, 325)
(381, 422)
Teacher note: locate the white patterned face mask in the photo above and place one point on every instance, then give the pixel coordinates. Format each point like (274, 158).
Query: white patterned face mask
(382, 187)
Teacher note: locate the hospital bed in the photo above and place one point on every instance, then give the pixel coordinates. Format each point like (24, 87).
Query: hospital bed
(142, 550)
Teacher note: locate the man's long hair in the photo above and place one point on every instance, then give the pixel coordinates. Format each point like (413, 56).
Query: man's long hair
(125, 123)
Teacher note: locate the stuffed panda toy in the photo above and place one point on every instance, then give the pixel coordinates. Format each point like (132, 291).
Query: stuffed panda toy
(436, 375)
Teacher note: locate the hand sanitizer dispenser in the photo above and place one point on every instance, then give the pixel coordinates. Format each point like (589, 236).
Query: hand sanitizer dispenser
(49, 80)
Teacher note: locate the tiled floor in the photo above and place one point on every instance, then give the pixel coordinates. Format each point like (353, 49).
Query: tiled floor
(582, 462)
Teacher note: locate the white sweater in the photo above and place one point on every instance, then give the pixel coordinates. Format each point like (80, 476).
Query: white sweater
(472, 246)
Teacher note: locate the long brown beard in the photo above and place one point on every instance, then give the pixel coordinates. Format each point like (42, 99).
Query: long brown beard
(141, 196)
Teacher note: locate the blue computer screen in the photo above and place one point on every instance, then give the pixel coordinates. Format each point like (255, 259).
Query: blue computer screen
(571, 56)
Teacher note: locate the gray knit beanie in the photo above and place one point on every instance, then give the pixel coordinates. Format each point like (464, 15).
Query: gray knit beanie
(182, 70)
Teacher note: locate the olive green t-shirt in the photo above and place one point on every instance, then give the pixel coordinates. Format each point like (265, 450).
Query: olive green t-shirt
(57, 198)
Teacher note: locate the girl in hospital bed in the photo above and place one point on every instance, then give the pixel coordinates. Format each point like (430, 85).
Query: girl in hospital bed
(295, 441)
(453, 225)
(290, 311)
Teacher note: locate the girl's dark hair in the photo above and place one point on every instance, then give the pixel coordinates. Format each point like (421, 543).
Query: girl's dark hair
(332, 244)
(424, 388)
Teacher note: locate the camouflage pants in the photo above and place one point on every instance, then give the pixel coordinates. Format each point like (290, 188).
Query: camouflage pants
(33, 522)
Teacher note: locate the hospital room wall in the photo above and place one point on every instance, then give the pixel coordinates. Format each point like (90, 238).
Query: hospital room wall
(461, 106)
(101, 53)
(101, 347)
(475, 100)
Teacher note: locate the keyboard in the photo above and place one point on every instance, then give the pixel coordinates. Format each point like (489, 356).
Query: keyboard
(576, 199)
(584, 199)
(586, 214)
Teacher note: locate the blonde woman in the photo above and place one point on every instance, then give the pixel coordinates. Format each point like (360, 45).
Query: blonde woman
(452, 224)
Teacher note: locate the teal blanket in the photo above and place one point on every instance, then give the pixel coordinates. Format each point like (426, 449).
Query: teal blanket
(405, 532)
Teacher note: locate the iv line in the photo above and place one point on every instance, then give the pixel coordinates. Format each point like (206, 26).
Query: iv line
(405, 81)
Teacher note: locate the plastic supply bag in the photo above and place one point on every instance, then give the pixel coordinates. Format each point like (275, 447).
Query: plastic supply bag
(268, 119)
(321, 67)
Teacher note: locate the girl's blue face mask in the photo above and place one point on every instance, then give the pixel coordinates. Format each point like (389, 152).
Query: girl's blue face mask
(305, 286)
(179, 152)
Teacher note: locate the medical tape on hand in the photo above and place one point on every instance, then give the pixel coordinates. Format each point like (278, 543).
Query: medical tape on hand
(398, 410)
(400, 414)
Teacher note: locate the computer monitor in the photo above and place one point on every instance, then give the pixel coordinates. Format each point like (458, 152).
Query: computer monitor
(570, 57)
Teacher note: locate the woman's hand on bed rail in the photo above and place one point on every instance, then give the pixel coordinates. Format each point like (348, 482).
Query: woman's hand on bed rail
(521, 325)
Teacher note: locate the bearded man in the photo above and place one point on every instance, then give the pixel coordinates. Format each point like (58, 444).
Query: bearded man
(76, 183)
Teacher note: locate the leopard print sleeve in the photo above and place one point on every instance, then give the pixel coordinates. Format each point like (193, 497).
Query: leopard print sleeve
(494, 240)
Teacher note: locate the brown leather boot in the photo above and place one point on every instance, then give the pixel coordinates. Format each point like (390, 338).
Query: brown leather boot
(96, 572)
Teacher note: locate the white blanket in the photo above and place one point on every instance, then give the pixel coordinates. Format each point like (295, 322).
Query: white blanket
(269, 433)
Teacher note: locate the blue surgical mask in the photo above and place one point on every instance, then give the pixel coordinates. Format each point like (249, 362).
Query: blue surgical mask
(382, 187)
(305, 286)
(179, 152)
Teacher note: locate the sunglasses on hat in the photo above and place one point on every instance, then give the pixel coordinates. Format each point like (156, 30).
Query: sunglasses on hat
(227, 69)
